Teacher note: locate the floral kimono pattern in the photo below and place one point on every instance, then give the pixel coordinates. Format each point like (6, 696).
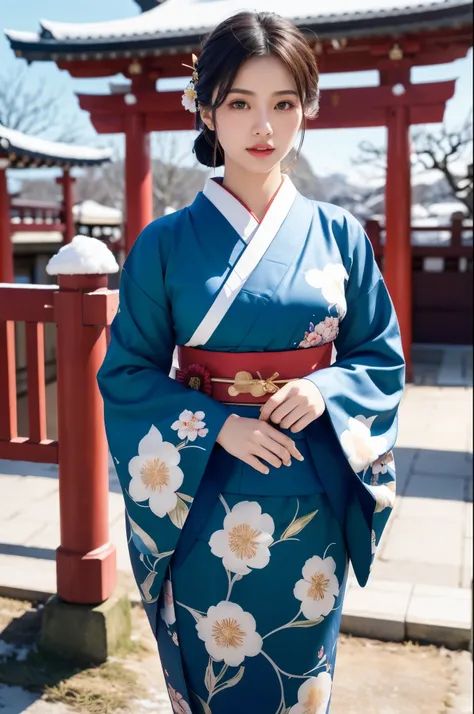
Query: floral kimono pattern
(242, 575)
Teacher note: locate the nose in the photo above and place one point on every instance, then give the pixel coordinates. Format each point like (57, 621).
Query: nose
(262, 125)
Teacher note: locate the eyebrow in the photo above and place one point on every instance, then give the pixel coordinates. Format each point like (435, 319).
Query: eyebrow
(252, 94)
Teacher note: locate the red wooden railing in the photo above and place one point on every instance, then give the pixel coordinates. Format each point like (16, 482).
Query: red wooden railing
(33, 216)
(82, 308)
(454, 248)
(33, 305)
(442, 298)
(30, 215)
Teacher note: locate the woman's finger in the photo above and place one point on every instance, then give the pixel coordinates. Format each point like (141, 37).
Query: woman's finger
(284, 440)
(273, 402)
(297, 413)
(302, 423)
(285, 408)
(269, 456)
(256, 464)
(278, 449)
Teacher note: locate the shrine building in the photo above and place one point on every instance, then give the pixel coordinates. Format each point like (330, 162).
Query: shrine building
(346, 36)
(21, 151)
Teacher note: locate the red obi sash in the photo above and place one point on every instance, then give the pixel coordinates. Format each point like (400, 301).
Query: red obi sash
(247, 377)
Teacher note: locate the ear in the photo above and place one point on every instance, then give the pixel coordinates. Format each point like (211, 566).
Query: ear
(206, 117)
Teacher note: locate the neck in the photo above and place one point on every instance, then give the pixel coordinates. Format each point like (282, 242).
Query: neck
(254, 190)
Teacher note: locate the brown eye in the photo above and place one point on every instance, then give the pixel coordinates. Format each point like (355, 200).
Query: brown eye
(239, 104)
(284, 106)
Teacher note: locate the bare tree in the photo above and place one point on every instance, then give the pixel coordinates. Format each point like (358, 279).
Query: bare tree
(443, 151)
(32, 107)
(104, 184)
(176, 173)
(176, 177)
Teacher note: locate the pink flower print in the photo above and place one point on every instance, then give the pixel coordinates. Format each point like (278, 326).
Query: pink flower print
(190, 426)
(168, 612)
(321, 334)
(311, 339)
(180, 706)
(382, 464)
(321, 652)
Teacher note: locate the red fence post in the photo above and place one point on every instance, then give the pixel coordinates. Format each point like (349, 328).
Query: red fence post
(6, 246)
(67, 183)
(85, 560)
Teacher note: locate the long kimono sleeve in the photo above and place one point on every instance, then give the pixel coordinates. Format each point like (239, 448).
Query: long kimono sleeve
(160, 433)
(362, 391)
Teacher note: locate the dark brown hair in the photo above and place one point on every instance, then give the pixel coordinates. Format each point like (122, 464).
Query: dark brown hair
(233, 42)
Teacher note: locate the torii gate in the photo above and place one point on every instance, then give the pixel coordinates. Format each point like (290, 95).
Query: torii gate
(155, 45)
(19, 151)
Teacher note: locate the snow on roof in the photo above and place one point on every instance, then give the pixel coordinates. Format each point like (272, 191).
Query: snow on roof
(91, 213)
(447, 208)
(16, 142)
(20, 237)
(179, 17)
(83, 256)
(419, 211)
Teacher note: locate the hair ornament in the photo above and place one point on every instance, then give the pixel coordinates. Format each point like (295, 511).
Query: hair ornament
(189, 98)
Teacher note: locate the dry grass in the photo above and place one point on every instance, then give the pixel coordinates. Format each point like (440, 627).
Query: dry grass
(110, 687)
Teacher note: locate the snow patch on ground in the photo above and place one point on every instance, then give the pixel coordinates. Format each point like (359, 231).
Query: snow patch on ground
(8, 651)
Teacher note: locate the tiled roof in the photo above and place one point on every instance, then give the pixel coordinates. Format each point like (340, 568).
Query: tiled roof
(178, 20)
(24, 150)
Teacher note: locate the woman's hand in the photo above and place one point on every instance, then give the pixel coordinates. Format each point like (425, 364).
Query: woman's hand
(251, 440)
(294, 406)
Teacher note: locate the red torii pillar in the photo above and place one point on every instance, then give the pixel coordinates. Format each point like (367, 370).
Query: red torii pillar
(67, 182)
(398, 254)
(6, 249)
(138, 178)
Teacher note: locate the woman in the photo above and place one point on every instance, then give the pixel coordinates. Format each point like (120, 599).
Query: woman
(252, 476)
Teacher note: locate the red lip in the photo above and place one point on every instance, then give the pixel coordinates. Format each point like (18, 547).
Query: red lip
(261, 146)
(261, 151)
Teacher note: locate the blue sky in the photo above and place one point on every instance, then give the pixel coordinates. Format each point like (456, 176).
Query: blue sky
(328, 151)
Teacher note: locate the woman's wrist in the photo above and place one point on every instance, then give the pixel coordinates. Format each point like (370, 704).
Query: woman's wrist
(228, 422)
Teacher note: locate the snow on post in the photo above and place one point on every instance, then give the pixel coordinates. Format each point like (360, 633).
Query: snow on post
(83, 256)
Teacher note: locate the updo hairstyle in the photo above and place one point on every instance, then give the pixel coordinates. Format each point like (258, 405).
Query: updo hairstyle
(236, 40)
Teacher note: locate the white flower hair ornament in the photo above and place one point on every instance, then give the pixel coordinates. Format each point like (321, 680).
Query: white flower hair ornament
(189, 98)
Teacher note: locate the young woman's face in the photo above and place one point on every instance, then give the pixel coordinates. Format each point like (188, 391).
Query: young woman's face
(260, 118)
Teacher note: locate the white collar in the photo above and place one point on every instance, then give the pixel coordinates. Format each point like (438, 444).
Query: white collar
(242, 221)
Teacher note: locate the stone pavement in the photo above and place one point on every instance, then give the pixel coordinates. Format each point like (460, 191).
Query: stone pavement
(421, 582)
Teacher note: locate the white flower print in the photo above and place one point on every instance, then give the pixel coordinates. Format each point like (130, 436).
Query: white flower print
(361, 448)
(167, 612)
(321, 334)
(229, 633)
(314, 695)
(384, 496)
(179, 704)
(373, 543)
(318, 589)
(155, 473)
(244, 542)
(190, 426)
(331, 282)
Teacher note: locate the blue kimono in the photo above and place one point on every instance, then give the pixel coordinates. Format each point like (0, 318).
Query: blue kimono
(242, 574)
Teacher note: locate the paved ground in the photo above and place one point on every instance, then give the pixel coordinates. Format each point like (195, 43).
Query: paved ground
(370, 678)
(421, 581)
